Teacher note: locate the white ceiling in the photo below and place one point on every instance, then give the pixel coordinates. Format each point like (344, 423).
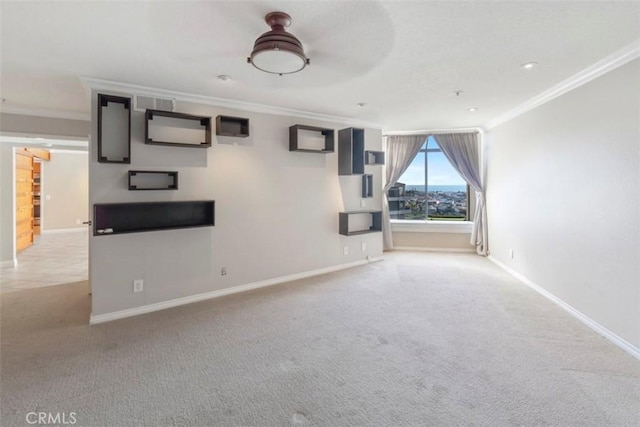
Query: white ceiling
(402, 58)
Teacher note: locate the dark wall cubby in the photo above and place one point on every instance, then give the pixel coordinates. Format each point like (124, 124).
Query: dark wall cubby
(376, 223)
(114, 129)
(351, 151)
(153, 180)
(179, 129)
(120, 218)
(367, 185)
(374, 157)
(296, 131)
(232, 126)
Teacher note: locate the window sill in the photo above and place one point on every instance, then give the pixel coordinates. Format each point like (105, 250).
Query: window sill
(417, 226)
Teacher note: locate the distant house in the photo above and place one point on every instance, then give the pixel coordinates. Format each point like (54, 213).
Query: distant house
(398, 201)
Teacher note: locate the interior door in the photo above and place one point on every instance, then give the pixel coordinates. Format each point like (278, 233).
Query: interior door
(24, 200)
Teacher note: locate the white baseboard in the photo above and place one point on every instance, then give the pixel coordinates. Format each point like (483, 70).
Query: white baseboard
(107, 317)
(620, 342)
(10, 263)
(64, 230)
(427, 249)
(371, 259)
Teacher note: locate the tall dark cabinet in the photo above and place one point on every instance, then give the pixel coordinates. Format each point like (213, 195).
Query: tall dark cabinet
(351, 151)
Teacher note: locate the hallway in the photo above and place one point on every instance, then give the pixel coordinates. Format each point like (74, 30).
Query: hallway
(53, 259)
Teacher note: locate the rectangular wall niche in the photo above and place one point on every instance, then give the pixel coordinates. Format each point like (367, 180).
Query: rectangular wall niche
(114, 129)
(119, 218)
(153, 180)
(177, 129)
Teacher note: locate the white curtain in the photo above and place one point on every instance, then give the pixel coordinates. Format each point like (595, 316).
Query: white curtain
(463, 151)
(400, 150)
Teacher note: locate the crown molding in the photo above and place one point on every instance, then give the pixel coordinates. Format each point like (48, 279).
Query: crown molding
(611, 62)
(480, 130)
(106, 85)
(45, 112)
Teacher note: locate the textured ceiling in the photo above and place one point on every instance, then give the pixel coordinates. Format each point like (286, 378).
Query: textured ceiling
(402, 58)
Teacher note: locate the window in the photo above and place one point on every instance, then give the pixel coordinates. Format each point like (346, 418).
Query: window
(430, 189)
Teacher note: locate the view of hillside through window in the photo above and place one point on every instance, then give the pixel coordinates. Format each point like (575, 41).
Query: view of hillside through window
(429, 189)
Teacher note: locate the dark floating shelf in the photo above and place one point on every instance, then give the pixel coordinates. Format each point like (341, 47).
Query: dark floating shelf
(186, 121)
(232, 126)
(374, 157)
(153, 180)
(294, 139)
(306, 150)
(376, 223)
(114, 129)
(367, 186)
(121, 218)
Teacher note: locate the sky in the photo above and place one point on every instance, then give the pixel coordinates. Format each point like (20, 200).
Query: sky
(440, 170)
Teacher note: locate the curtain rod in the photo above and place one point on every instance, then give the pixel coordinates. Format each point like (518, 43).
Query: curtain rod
(432, 132)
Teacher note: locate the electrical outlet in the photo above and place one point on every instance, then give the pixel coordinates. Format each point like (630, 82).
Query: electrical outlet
(511, 253)
(78, 221)
(346, 250)
(223, 271)
(362, 203)
(364, 246)
(138, 285)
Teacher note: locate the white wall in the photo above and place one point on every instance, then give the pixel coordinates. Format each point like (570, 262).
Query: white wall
(276, 213)
(65, 190)
(34, 125)
(449, 241)
(564, 193)
(7, 214)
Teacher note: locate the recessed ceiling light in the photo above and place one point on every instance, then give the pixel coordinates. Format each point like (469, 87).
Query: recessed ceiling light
(472, 109)
(224, 77)
(361, 104)
(528, 65)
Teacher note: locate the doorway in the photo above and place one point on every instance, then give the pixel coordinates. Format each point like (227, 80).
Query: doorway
(50, 239)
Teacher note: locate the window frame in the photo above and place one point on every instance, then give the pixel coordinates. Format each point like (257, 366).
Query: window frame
(411, 223)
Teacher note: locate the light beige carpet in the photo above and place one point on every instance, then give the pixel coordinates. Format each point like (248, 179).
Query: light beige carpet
(421, 339)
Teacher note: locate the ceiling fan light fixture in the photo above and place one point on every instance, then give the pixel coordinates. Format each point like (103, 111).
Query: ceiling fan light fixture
(277, 51)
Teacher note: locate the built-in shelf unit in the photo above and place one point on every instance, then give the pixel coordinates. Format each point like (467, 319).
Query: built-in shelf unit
(153, 180)
(367, 186)
(120, 218)
(351, 151)
(177, 129)
(311, 139)
(374, 222)
(114, 129)
(374, 157)
(237, 127)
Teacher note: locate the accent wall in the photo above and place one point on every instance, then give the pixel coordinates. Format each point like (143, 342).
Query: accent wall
(276, 213)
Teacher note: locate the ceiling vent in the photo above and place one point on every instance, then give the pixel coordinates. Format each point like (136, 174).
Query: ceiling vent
(145, 102)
